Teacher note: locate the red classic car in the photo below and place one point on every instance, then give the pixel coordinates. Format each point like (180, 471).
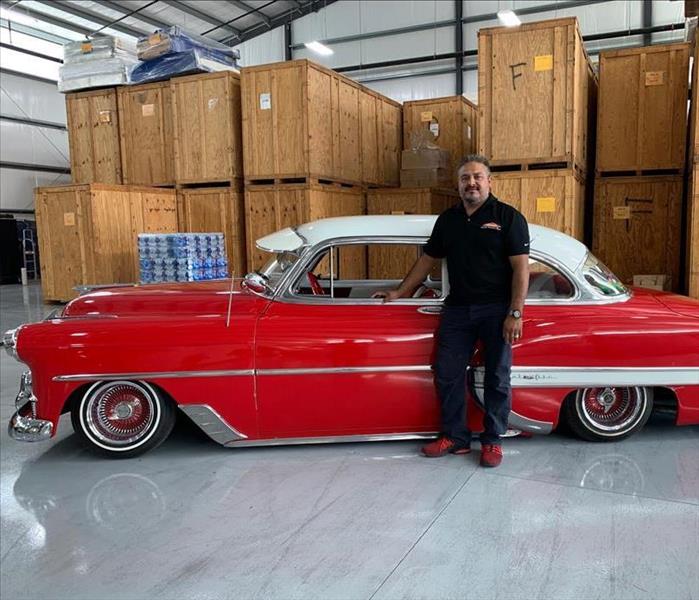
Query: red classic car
(300, 352)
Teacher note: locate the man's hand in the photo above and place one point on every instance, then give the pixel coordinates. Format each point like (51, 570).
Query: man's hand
(512, 329)
(387, 295)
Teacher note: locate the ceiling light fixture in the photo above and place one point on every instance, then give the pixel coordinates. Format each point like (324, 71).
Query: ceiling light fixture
(508, 18)
(319, 48)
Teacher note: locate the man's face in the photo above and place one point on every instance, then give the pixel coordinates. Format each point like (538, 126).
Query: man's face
(474, 183)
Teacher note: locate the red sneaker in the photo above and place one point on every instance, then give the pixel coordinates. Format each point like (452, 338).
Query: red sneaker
(443, 446)
(491, 455)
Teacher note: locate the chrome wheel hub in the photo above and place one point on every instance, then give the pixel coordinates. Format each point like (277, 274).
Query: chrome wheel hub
(120, 412)
(612, 409)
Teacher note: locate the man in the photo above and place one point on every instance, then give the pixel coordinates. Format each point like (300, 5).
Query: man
(486, 244)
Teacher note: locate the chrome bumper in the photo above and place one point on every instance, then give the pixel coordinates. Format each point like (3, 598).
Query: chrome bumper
(24, 426)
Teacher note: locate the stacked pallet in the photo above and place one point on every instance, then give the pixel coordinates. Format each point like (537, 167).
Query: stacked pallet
(537, 98)
(313, 139)
(641, 140)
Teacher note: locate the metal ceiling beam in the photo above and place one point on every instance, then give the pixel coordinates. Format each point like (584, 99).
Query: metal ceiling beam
(31, 52)
(71, 9)
(32, 31)
(281, 19)
(451, 22)
(39, 16)
(251, 11)
(207, 18)
(139, 16)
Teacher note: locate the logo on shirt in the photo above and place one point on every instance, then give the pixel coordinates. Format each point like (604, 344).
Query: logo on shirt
(491, 225)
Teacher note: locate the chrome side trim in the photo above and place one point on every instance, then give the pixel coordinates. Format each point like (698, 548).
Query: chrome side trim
(343, 370)
(538, 377)
(212, 424)
(517, 421)
(9, 341)
(336, 439)
(153, 375)
(603, 376)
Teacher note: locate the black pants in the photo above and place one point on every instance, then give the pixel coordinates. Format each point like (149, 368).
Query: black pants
(459, 330)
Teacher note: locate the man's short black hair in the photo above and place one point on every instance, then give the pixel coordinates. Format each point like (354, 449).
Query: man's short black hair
(477, 158)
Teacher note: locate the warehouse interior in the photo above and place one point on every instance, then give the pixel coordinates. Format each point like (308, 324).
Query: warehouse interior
(333, 108)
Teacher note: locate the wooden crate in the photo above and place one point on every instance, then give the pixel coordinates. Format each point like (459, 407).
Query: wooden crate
(207, 128)
(88, 233)
(637, 223)
(93, 136)
(146, 132)
(216, 209)
(642, 122)
(269, 208)
(552, 198)
(392, 262)
(381, 125)
(536, 91)
(453, 119)
(300, 120)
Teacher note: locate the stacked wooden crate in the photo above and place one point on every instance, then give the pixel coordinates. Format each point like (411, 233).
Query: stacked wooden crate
(537, 98)
(184, 133)
(640, 163)
(313, 139)
(208, 159)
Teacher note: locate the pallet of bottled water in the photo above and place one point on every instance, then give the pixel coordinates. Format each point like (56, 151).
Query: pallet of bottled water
(181, 257)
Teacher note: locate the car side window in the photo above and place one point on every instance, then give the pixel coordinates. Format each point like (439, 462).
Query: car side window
(358, 271)
(547, 283)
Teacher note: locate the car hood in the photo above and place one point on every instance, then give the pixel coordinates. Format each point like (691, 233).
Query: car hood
(682, 305)
(171, 299)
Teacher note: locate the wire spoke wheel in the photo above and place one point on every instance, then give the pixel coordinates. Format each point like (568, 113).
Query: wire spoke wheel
(608, 413)
(123, 418)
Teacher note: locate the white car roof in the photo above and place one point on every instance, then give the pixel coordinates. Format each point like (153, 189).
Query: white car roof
(564, 248)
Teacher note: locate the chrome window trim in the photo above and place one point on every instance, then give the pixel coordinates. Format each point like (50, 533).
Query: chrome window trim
(287, 295)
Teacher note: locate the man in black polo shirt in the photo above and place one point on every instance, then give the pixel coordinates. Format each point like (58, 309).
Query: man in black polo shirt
(486, 244)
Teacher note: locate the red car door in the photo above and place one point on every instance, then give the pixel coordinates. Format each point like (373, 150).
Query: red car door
(327, 369)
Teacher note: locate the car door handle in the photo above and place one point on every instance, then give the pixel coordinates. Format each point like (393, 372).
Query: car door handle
(430, 310)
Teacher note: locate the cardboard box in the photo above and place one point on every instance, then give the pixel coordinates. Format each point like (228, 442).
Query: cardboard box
(426, 178)
(425, 158)
(653, 282)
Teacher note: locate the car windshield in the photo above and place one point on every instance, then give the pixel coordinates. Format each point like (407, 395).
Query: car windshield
(601, 278)
(277, 266)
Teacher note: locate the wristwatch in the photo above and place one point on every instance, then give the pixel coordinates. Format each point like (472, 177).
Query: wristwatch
(517, 314)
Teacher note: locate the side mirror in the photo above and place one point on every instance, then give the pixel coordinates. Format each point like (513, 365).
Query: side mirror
(256, 283)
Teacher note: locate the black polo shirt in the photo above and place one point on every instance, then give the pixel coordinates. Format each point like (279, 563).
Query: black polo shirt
(477, 249)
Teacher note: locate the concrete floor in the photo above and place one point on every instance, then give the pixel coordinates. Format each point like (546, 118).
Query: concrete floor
(559, 519)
